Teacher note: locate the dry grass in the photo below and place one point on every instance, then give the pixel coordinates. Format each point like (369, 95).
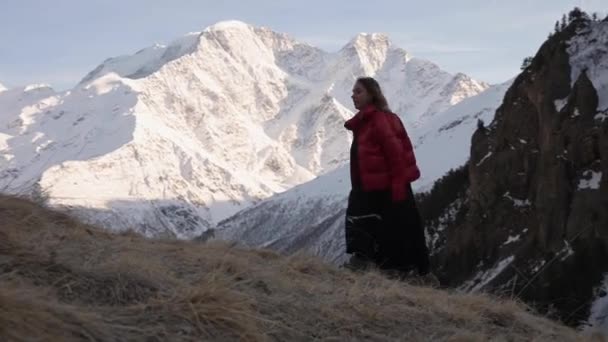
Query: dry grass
(61, 280)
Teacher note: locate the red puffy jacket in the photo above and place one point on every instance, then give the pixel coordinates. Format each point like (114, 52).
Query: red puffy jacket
(385, 156)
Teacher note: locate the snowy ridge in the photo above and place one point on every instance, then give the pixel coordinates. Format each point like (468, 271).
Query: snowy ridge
(176, 138)
(145, 61)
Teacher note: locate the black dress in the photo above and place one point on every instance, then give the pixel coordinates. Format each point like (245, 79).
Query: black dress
(388, 233)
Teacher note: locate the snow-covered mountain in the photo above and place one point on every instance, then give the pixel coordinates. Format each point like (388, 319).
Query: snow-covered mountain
(311, 216)
(445, 142)
(176, 138)
(2, 87)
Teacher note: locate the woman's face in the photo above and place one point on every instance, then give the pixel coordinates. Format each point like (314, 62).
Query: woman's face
(361, 97)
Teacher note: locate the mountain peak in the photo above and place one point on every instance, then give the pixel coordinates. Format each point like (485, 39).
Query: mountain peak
(368, 50)
(228, 25)
(461, 76)
(367, 41)
(2, 87)
(464, 78)
(462, 86)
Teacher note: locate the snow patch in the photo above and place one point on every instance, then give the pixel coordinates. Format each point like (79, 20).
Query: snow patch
(538, 266)
(591, 180)
(481, 279)
(560, 104)
(598, 318)
(512, 239)
(484, 158)
(447, 217)
(517, 202)
(566, 252)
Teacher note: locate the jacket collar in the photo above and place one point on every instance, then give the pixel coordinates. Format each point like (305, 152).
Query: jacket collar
(363, 115)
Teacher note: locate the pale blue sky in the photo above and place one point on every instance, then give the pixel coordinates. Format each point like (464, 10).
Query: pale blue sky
(59, 41)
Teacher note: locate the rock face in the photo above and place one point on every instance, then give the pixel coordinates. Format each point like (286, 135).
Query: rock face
(532, 220)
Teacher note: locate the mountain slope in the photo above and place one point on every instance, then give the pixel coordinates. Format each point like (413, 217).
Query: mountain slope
(311, 216)
(176, 138)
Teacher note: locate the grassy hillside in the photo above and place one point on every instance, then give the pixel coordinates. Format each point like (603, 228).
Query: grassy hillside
(62, 280)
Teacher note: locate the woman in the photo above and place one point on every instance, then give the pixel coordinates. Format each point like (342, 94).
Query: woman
(383, 225)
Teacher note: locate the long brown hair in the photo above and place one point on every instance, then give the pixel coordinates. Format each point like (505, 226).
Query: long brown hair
(374, 90)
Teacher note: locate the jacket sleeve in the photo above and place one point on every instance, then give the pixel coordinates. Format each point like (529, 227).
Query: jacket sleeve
(399, 153)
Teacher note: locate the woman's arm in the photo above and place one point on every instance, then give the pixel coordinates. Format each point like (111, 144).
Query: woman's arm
(398, 151)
